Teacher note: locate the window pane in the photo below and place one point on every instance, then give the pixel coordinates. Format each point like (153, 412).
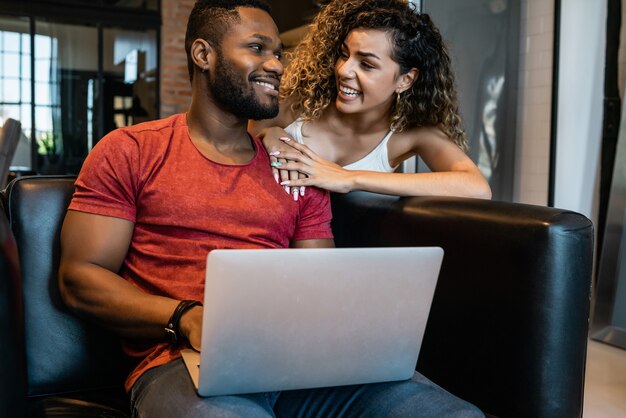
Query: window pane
(11, 42)
(43, 46)
(10, 111)
(25, 45)
(25, 91)
(25, 117)
(42, 69)
(10, 64)
(25, 66)
(43, 91)
(10, 91)
(44, 119)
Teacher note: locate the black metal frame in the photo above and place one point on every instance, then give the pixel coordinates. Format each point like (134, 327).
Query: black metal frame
(67, 11)
(611, 253)
(610, 264)
(612, 112)
(555, 102)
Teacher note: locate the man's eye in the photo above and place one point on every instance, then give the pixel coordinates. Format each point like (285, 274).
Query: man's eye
(278, 55)
(256, 47)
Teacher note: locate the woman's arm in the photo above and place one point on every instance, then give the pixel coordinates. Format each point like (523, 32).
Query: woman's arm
(461, 182)
(454, 173)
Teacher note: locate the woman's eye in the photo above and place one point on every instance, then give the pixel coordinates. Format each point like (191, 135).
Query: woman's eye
(367, 65)
(278, 56)
(256, 47)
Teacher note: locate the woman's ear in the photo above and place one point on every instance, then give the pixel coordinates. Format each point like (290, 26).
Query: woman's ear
(202, 54)
(406, 80)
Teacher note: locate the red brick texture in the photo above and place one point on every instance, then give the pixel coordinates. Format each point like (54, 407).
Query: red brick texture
(175, 88)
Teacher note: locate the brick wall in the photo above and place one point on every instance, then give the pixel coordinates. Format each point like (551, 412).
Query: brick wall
(175, 88)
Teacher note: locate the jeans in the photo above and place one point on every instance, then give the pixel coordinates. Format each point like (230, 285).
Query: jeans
(167, 391)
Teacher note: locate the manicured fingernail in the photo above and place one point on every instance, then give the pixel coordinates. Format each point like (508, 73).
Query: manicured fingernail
(285, 183)
(302, 190)
(286, 189)
(276, 164)
(276, 178)
(296, 193)
(285, 138)
(274, 153)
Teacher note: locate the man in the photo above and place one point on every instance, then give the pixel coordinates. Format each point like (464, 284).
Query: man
(153, 199)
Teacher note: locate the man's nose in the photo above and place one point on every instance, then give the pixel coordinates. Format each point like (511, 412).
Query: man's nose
(274, 65)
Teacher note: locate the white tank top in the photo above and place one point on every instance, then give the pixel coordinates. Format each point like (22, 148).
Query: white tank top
(376, 160)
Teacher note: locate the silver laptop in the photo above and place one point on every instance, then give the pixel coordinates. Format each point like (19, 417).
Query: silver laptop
(282, 319)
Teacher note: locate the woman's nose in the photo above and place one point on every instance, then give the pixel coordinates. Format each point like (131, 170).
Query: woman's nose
(345, 69)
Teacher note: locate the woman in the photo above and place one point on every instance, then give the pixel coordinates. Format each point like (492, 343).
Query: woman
(369, 87)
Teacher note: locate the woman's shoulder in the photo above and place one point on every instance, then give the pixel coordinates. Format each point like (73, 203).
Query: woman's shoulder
(419, 134)
(414, 140)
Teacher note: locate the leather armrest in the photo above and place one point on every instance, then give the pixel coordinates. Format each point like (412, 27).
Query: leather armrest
(64, 353)
(508, 325)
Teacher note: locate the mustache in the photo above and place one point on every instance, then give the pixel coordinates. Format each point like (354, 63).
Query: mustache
(255, 76)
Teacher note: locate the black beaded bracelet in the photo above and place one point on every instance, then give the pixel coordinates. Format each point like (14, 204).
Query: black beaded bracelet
(172, 330)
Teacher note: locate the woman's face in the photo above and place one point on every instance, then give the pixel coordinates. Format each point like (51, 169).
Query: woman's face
(367, 78)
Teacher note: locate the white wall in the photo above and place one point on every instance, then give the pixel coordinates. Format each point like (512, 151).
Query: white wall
(580, 101)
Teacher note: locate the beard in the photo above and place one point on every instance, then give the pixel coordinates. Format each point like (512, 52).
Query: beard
(237, 95)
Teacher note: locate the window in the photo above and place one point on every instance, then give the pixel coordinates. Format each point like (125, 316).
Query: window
(70, 83)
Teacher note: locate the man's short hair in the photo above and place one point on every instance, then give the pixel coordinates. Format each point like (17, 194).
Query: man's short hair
(209, 20)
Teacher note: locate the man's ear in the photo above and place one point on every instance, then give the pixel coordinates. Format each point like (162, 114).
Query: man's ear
(406, 80)
(202, 54)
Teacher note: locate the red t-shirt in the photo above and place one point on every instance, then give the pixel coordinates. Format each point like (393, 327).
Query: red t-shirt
(184, 205)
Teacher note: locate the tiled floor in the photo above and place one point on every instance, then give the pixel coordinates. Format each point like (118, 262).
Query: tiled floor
(605, 382)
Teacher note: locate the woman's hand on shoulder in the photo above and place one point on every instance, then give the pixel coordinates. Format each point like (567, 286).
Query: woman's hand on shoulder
(273, 142)
(316, 171)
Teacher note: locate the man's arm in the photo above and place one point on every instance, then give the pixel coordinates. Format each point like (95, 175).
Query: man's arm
(93, 248)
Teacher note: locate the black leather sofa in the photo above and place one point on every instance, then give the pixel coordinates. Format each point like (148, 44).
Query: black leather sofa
(507, 329)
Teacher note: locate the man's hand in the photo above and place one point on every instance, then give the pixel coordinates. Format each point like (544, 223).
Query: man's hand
(191, 326)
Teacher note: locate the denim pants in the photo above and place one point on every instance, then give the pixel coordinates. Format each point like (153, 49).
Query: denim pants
(167, 391)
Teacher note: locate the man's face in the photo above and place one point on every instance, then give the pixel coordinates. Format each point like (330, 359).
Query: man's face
(247, 69)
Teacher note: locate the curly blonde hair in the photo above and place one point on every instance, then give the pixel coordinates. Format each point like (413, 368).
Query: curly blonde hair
(309, 83)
